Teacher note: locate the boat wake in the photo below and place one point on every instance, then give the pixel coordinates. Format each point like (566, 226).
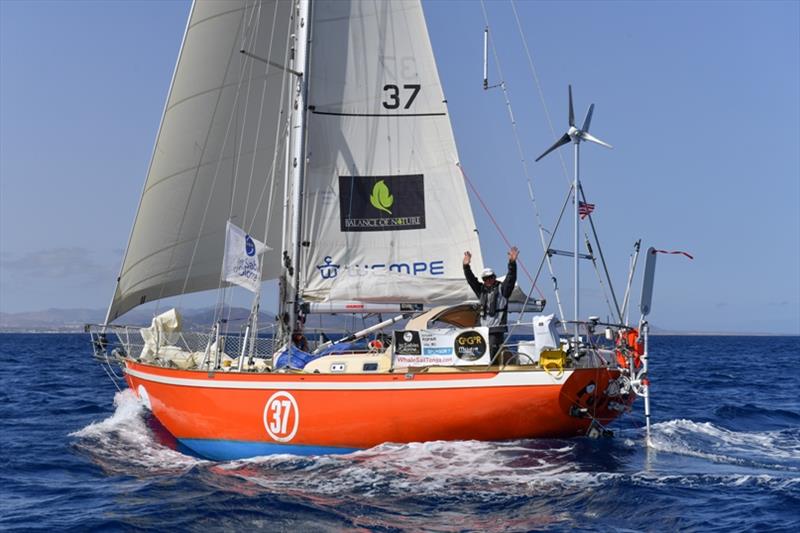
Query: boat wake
(772, 450)
(127, 442)
(425, 469)
(131, 442)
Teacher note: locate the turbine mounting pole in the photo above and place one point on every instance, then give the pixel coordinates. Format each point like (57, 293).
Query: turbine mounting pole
(576, 136)
(576, 187)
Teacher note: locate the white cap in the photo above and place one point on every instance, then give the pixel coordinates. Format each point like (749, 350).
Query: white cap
(487, 273)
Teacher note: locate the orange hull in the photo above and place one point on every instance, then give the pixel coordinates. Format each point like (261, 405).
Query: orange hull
(230, 415)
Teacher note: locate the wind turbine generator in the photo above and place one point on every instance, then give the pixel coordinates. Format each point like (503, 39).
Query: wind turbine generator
(576, 135)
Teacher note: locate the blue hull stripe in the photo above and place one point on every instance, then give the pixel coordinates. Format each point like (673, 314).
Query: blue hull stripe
(226, 450)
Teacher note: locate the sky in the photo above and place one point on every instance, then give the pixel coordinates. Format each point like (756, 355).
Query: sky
(701, 101)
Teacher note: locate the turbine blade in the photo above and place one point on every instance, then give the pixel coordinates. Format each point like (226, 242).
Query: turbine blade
(561, 142)
(586, 137)
(571, 112)
(588, 120)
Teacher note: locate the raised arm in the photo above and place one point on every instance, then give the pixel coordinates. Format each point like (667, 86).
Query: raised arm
(511, 278)
(473, 282)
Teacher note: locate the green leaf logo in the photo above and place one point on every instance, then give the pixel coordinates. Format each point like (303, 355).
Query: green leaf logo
(380, 198)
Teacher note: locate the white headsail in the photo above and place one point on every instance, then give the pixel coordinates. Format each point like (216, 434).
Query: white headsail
(383, 191)
(218, 154)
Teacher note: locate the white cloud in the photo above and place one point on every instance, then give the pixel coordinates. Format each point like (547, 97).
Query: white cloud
(70, 264)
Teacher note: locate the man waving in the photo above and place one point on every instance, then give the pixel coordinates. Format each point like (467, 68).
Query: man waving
(493, 296)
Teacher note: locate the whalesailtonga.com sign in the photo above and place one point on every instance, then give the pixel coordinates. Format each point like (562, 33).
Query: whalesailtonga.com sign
(442, 347)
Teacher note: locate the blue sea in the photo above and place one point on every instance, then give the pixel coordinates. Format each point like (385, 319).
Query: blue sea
(79, 455)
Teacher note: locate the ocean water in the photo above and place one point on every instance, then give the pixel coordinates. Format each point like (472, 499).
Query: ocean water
(75, 454)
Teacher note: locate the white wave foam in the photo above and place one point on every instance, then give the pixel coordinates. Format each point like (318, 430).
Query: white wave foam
(128, 411)
(430, 469)
(489, 472)
(705, 440)
(124, 441)
(776, 482)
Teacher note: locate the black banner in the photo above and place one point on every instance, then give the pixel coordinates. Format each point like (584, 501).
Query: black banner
(407, 343)
(381, 203)
(470, 346)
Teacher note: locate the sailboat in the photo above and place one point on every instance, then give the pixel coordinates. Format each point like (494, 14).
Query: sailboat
(318, 135)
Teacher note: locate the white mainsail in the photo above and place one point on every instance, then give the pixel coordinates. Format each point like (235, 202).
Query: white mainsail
(383, 191)
(218, 154)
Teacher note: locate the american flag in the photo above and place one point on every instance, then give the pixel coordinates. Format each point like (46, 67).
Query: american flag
(584, 209)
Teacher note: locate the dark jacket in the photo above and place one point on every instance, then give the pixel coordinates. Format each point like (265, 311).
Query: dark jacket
(494, 300)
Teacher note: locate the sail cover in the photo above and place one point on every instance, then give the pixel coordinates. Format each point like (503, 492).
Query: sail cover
(218, 154)
(383, 190)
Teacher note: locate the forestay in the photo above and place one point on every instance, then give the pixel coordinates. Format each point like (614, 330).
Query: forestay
(383, 191)
(218, 154)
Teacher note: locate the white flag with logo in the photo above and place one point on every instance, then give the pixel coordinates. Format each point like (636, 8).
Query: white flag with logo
(241, 264)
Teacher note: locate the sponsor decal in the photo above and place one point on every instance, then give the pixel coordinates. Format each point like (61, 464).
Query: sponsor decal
(437, 351)
(380, 198)
(445, 347)
(382, 203)
(281, 417)
(407, 343)
(327, 270)
(469, 345)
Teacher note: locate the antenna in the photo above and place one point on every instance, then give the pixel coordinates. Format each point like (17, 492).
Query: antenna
(486, 58)
(575, 136)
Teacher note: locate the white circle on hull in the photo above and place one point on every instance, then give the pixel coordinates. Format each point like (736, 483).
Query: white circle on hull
(144, 397)
(281, 416)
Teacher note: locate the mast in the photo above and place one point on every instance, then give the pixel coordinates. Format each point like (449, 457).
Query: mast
(283, 284)
(300, 64)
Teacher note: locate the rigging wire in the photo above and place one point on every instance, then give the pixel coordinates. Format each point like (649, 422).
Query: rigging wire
(523, 161)
(536, 277)
(238, 142)
(496, 225)
(560, 154)
(539, 90)
(282, 126)
(602, 257)
(597, 271)
(192, 189)
(246, 72)
(253, 314)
